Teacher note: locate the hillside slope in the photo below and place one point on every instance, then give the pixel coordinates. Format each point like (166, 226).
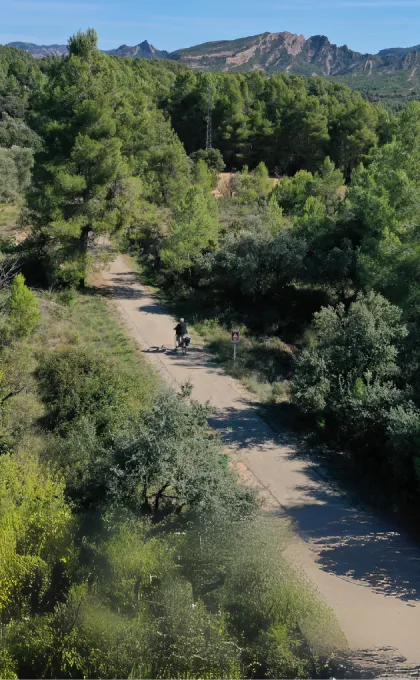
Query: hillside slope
(272, 52)
(392, 73)
(269, 52)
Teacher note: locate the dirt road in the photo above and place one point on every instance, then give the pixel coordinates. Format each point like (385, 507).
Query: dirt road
(363, 568)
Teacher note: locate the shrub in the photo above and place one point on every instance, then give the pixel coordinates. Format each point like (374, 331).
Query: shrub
(35, 534)
(349, 379)
(350, 351)
(239, 569)
(212, 157)
(172, 464)
(403, 429)
(23, 309)
(79, 382)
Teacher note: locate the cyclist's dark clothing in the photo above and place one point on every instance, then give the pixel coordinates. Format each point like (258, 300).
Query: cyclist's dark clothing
(181, 329)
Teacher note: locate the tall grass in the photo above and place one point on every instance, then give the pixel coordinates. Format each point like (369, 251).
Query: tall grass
(9, 219)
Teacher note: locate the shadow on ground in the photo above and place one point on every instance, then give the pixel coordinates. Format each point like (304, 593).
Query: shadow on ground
(119, 287)
(355, 544)
(349, 542)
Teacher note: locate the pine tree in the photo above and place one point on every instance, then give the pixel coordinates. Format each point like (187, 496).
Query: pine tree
(78, 174)
(23, 309)
(194, 230)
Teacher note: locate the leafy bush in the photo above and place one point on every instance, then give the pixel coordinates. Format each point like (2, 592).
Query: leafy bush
(16, 164)
(351, 350)
(173, 464)
(215, 600)
(90, 398)
(248, 187)
(23, 309)
(212, 157)
(35, 536)
(82, 637)
(403, 429)
(254, 267)
(349, 377)
(76, 383)
(240, 570)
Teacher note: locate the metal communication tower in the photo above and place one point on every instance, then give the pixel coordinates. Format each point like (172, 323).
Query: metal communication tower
(209, 133)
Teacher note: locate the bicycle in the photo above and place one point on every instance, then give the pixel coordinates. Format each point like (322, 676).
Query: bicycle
(183, 344)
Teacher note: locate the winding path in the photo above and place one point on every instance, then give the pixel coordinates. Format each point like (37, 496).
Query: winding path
(365, 569)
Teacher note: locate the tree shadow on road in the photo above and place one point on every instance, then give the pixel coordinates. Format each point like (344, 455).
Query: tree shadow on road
(117, 290)
(353, 543)
(348, 541)
(358, 546)
(152, 309)
(244, 427)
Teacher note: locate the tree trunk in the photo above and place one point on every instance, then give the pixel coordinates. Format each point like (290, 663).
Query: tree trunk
(146, 505)
(83, 246)
(159, 496)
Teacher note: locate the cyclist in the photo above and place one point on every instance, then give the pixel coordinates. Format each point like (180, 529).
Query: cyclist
(181, 330)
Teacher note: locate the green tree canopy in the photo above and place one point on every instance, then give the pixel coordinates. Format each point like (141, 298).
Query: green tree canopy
(193, 231)
(212, 157)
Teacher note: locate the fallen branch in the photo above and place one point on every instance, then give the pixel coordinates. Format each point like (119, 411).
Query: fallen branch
(12, 394)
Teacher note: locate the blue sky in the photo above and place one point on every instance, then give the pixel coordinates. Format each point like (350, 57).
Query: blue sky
(364, 25)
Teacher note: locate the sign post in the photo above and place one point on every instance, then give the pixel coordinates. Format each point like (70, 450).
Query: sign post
(235, 339)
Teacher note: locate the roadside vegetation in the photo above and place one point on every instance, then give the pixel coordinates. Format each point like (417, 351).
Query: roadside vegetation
(109, 482)
(128, 548)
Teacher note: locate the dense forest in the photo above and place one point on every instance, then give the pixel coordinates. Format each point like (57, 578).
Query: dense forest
(128, 545)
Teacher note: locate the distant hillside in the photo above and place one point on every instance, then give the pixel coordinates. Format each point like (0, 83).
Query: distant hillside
(399, 51)
(392, 75)
(40, 51)
(143, 51)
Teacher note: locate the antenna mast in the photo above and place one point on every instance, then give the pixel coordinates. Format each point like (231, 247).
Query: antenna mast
(209, 133)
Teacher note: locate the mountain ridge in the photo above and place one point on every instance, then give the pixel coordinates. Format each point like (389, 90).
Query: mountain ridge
(39, 51)
(146, 48)
(143, 50)
(398, 69)
(291, 53)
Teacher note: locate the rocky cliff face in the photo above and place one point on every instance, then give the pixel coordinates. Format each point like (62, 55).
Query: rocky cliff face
(273, 52)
